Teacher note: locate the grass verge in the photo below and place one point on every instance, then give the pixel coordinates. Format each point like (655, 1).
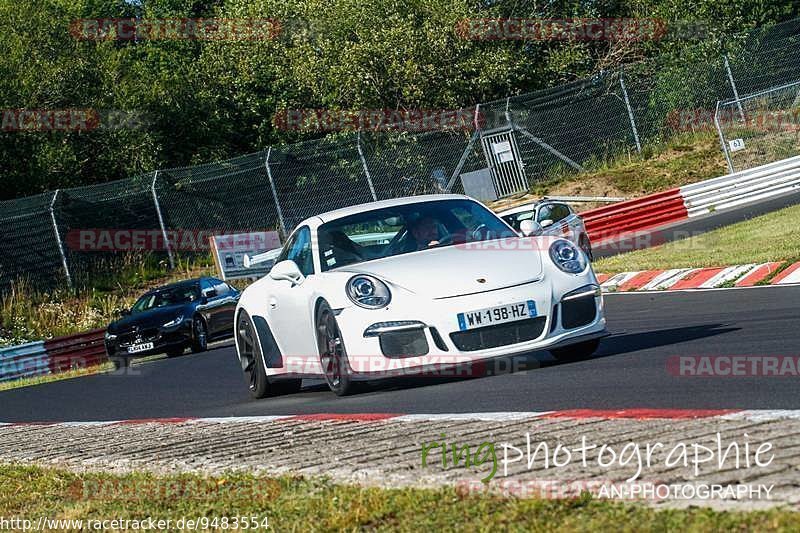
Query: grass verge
(769, 237)
(48, 378)
(297, 504)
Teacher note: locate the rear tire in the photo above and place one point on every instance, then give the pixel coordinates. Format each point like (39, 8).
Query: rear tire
(576, 352)
(199, 335)
(332, 353)
(252, 361)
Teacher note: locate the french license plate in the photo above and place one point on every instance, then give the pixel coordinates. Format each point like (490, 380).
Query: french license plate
(136, 348)
(496, 315)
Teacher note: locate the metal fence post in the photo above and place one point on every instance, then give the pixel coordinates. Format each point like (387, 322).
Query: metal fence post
(733, 85)
(475, 135)
(722, 140)
(366, 169)
(275, 195)
(58, 238)
(161, 221)
(630, 111)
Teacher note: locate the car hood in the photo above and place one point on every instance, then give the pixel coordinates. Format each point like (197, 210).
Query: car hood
(148, 319)
(455, 270)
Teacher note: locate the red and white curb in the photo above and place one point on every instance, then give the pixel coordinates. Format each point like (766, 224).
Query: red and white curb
(701, 278)
(570, 414)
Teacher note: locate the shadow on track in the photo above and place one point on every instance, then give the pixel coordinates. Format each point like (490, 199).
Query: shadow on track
(615, 344)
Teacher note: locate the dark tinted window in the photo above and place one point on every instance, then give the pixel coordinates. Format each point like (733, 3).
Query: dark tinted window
(560, 211)
(406, 228)
(545, 213)
(177, 295)
(298, 249)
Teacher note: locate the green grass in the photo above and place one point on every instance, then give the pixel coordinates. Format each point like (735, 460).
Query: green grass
(297, 504)
(770, 237)
(48, 378)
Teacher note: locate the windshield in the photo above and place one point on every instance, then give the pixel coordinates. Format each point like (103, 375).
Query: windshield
(515, 220)
(182, 294)
(406, 228)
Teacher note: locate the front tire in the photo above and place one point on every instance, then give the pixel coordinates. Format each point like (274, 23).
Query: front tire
(199, 335)
(332, 353)
(576, 352)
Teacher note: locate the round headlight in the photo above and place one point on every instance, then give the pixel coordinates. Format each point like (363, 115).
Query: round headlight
(567, 257)
(368, 291)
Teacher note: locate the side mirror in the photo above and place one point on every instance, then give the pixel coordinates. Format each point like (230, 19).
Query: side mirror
(546, 223)
(530, 227)
(287, 270)
(209, 293)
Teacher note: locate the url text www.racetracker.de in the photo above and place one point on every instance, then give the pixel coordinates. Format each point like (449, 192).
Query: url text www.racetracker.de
(202, 523)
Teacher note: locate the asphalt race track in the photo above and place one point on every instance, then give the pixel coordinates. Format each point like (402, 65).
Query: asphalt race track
(629, 371)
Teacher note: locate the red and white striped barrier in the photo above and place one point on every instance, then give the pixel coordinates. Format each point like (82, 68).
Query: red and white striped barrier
(641, 215)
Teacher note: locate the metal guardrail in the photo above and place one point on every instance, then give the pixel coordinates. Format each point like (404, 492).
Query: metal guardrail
(742, 187)
(22, 361)
(52, 356)
(590, 199)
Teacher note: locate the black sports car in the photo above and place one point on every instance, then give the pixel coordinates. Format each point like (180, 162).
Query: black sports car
(171, 318)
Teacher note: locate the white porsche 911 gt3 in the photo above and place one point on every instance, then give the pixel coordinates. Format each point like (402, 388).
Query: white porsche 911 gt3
(401, 286)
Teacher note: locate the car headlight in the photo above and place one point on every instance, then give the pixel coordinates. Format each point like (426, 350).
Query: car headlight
(174, 322)
(567, 257)
(368, 292)
(110, 336)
